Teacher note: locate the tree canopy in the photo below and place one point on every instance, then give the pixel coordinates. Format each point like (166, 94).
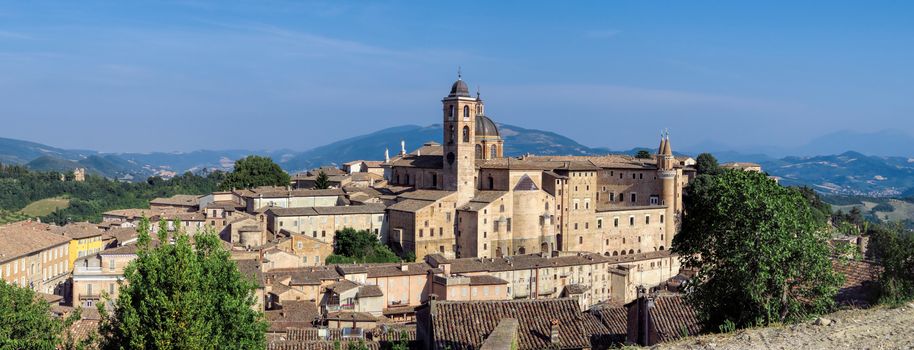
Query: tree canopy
(643, 154)
(359, 246)
(89, 199)
(894, 249)
(254, 171)
(322, 181)
(26, 322)
(706, 163)
(179, 296)
(761, 254)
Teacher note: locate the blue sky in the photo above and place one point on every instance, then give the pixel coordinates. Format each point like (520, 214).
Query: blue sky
(141, 76)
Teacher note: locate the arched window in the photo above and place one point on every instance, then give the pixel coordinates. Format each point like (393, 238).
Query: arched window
(494, 152)
(631, 251)
(453, 134)
(522, 251)
(451, 113)
(466, 134)
(478, 152)
(661, 247)
(615, 253)
(466, 112)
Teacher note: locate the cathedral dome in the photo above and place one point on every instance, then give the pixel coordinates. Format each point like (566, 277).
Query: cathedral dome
(460, 89)
(485, 127)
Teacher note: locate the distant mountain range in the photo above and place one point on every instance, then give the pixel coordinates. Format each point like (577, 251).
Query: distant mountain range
(370, 146)
(845, 172)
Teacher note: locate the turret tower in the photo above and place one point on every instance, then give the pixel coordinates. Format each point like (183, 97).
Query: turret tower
(668, 175)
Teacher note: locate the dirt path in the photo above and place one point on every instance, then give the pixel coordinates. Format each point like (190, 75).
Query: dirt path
(878, 328)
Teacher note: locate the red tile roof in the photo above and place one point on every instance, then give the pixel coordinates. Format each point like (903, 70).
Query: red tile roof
(465, 325)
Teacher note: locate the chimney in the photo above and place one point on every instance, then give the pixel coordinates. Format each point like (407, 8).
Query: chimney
(554, 332)
(404, 267)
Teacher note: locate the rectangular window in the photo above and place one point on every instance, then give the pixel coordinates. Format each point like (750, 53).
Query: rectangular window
(599, 223)
(631, 221)
(420, 232)
(110, 264)
(633, 197)
(655, 200)
(615, 222)
(647, 219)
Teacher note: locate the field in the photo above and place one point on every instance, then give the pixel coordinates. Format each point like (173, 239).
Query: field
(901, 210)
(45, 206)
(8, 216)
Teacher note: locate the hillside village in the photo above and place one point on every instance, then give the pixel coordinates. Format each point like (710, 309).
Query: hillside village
(566, 252)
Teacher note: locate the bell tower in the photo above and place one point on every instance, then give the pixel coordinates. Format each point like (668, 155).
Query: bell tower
(459, 116)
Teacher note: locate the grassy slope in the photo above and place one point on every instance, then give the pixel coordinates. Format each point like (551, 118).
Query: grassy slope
(45, 206)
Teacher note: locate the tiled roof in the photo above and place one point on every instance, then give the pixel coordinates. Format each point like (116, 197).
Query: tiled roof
(351, 316)
(342, 286)
(351, 269)
(860, 282)
(615, 319)
(610, 161)
(177, 200)
(79, 230)
(123, 234)
(465, 325)
(529, 261)
(369, 291)
(526, 184)
(426, 195)
(250, 268)
(27, 237)
(484, 280)
(292, 314)
(389, 270)
(339, 210)
(574, 289)
(277, 192)
(410, 205)
(424, 161)
(673, 317)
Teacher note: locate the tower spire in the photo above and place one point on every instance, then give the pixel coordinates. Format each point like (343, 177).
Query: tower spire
(459, 74)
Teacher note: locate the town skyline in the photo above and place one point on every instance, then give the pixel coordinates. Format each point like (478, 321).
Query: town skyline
(615, 67)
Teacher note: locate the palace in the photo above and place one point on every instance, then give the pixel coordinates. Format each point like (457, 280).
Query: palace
(469, 200)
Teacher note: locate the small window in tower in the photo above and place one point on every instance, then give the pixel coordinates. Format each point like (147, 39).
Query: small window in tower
(466, 112)
(494, 152)
(478, 152)
(466, 134)
(451, 113)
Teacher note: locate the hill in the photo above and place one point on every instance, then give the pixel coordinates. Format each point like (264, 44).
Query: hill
(849, 173)
(518, 141)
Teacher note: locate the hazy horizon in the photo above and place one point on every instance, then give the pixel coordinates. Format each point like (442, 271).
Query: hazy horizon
(183, 76)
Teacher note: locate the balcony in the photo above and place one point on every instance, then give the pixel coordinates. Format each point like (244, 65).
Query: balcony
(341, 307)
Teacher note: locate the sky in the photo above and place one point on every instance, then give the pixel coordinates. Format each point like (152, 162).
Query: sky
(135, 76)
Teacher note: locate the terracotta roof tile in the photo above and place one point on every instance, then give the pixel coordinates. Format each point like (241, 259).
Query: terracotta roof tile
(465, 325)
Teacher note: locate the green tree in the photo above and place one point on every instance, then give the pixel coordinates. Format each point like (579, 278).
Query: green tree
(179, 296)
(26, 322)
(322, 181)
(821, 210)
(894, 250)
(643, 154)
(705, 163)
(254, 171)
(359, 246)
(762, 256)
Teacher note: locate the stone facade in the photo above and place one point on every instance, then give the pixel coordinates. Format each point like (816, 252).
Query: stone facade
(509, 206)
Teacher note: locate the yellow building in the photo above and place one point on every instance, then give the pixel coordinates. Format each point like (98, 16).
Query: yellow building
(85, 240)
